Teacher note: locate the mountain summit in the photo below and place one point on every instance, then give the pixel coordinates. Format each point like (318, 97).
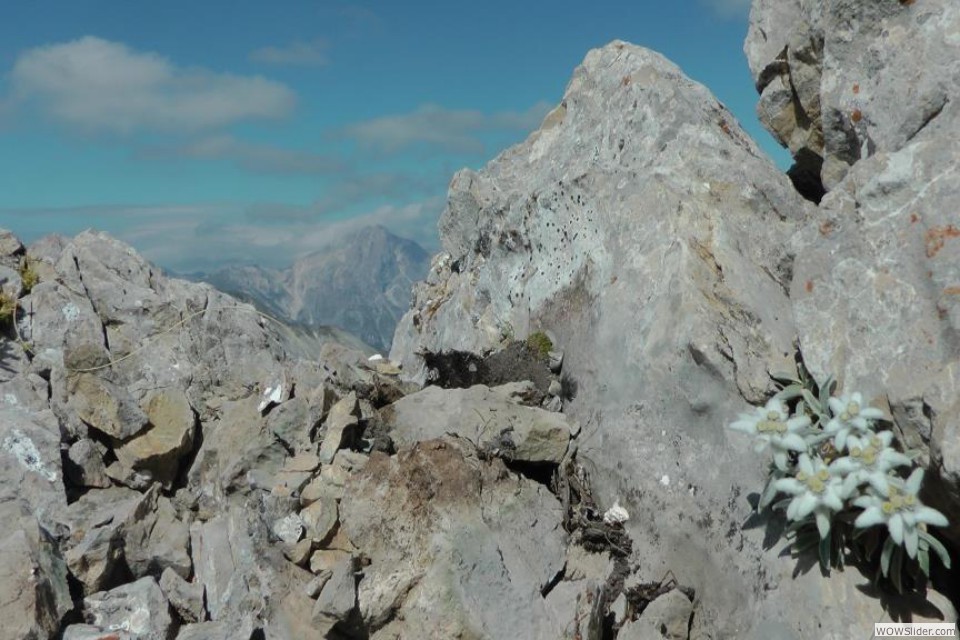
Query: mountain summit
(362, 285)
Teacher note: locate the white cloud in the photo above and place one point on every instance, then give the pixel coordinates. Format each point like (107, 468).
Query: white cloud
(98, 86)
(304, 54)
(256, 158)
(435, 126)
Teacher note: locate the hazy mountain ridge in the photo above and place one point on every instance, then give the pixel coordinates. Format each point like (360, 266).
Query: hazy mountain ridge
(363, 286)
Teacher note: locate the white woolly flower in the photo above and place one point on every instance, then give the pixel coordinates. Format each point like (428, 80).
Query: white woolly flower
(815, 491)
(850, 418)
(869, 462)
(772, 427)
(901, 511)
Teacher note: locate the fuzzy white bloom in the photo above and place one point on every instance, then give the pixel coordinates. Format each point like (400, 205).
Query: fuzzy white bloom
(850, 418)
(815, 491)
(615, 514)
(869, 462)
(901, 511)
(772, 427)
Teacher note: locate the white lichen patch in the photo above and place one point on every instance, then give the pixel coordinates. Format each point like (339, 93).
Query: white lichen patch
(70, 312)
(25, 451)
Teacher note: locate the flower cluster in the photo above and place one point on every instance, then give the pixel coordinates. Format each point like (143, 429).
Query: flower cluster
(830, 458)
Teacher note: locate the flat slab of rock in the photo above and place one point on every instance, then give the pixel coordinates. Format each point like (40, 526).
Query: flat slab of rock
(454, 547)
(138, 608)
(167, 439)
(484, 416)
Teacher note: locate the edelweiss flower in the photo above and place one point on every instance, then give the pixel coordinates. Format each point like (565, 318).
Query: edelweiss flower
(850, 417)
(901, 511)
(869, 461)
(815, 491)
(772, 427)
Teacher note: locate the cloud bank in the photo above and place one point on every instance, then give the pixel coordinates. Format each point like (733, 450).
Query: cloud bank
(97, 86)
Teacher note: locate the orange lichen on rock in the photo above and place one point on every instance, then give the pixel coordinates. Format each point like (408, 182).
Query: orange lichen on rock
(937, 237)
(827, 227)
(857, 115)
(809, 286)
(914, 218)
(952, 291)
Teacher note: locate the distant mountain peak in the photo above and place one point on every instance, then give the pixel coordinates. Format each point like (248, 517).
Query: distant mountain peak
(361, 284)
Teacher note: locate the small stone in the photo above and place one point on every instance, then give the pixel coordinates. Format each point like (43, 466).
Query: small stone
(299, 553)
(553, 404)
(169, 438)
(289, 529)
(339, 595)
(326, 560)
(88, 469)
(315, 586)
(320, 518)
(185, 597)
(555, 388)
(619, 609)
(341, 423)
(556, 361)
(666, 617)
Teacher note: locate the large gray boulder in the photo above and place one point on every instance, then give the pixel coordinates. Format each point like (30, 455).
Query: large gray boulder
(842, 81)
(645, 230)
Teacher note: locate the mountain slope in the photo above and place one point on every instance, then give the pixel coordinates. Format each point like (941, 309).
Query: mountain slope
(362, 285)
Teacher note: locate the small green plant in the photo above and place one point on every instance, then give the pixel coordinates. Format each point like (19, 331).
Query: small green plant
(28, 275)
(539, 343)
(8, 307)
(841, 482)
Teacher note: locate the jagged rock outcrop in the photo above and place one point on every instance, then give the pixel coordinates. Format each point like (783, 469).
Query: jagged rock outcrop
(170, 469)
(876, 290)
(843, 81)
(361, 286)
(647, 232)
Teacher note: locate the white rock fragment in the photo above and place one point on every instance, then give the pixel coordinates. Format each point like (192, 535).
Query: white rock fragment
(665, 480)
(615, 514)
(272, 395)
(375, 357)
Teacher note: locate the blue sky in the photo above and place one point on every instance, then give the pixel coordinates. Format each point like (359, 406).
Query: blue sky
(244, 131)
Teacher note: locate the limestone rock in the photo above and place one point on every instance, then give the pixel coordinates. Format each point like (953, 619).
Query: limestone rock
(341, 421)
(665, 276)
(446, 559)
(485, 417)
(338, 597)
(320, 518)
(34, 595)
(87, 468)
(185, 597)
(167, 439)
(842, 81)
(30, 464)
(98, 523)
(229, 630)
(138, 608)
(106, 407)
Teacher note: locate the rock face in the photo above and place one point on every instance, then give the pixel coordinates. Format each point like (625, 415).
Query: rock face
(362, 286)
(843, 81)
(646, 231)
(875, 290)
